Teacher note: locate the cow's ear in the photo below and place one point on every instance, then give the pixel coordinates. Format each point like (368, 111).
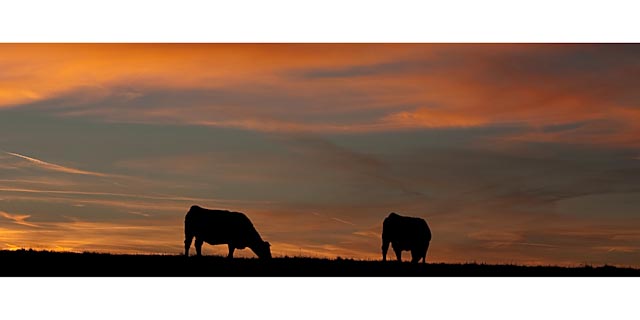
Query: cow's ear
(267, 243)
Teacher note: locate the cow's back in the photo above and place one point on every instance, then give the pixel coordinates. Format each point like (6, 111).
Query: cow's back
(405, 232)
(219, 226)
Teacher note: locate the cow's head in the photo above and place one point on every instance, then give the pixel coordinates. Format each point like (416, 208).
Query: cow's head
(263, 250)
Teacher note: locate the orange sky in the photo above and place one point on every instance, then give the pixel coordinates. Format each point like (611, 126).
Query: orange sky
(522, 153)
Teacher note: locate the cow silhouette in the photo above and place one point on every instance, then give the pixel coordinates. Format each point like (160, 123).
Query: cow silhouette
(222, 227)
(405, 233)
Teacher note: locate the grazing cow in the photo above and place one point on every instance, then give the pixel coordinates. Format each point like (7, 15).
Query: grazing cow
(405, 233)
(222, 227)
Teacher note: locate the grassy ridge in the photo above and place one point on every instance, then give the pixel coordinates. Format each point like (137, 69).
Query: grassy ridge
(52, 264)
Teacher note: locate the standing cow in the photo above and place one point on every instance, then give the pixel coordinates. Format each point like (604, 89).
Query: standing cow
(405, 233)
(222, 227)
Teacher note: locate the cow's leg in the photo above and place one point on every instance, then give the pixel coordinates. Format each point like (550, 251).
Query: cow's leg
(385, 248)
(187, 244)
(198, 245)
(231, 249)
(398, 254)
(426, 249)
(415, 255)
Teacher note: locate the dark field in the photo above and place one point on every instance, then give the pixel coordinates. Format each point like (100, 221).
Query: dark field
(52, 264)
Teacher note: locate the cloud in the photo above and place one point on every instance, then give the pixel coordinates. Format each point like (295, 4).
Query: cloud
(335, 219)
(19, 219)
(55, 167)
(140, 213)
(344, 88)
(117, 195)
(430, 118)
(344, 221)
(388, 68)
(364, 170)
(34, 72)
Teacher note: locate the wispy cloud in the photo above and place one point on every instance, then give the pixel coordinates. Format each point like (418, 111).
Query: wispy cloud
(140, 213)
(54, 167)
(122, 195)
(19, 219)
(343, 221)
(334, 219)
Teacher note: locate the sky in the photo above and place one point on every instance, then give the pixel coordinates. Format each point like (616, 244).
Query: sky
(513, 153)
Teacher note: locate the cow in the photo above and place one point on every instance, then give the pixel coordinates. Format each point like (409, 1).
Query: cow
(405, 233)
(222, 227)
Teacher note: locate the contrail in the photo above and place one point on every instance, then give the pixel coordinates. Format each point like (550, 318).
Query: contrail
(334, 219)
(55, 167)
(343, 221)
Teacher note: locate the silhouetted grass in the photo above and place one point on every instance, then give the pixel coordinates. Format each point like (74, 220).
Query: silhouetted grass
(45, 263)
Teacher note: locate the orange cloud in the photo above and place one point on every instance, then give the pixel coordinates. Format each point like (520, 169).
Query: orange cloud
(333, 87)
(426, 118)
(18, 218)
(34, 72)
